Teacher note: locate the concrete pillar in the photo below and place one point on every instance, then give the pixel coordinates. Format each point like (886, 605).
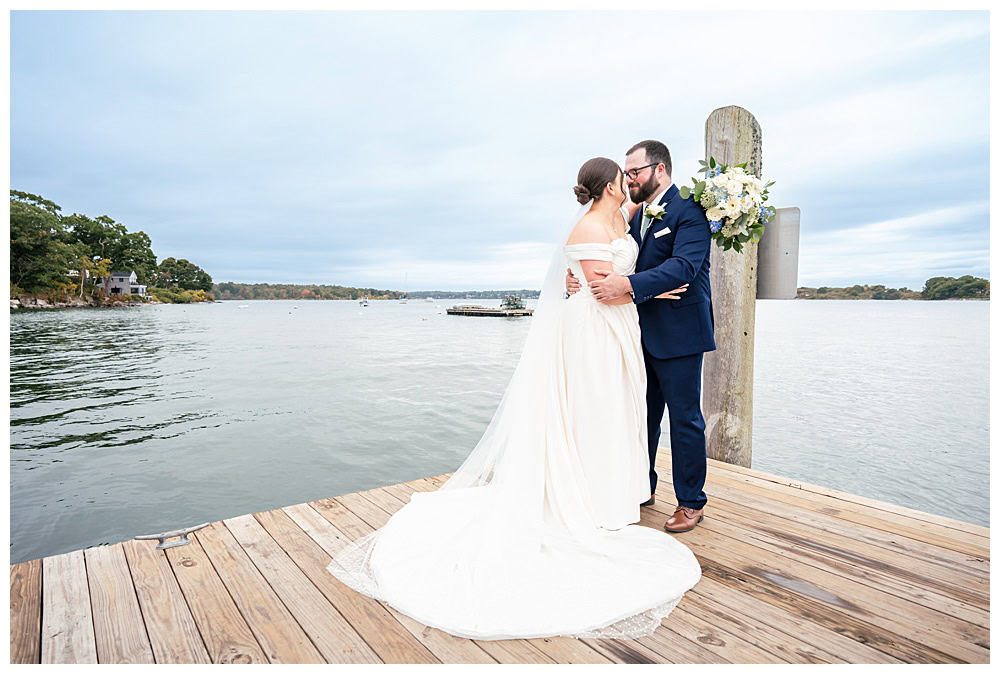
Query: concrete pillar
(732, 136)
(778, 257)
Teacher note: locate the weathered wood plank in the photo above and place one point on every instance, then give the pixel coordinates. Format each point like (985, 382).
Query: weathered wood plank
(730, 646)
(225, 632)
(329, 631)
(282, 639)
(962, 585)
(847, 566)
(944, 537)
(118, 625)
(760, 635)
(680, 649)
(390, 640)
(26, 612)
(569, 651)
(822, 519)
(959, 638)
(67, 620)
(791, 573)
(170, 626)
(859, 614)
(733, 600)
(864, 501)
(373, 516)
(625, 651)
(445, 647)
(514, 652)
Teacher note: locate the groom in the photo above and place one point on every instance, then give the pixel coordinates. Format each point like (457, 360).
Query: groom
(674, 245)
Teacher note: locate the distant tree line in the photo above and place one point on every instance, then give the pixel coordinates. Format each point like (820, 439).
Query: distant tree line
(937, 288)
(288, 291)
(476, 294)
(52, 254)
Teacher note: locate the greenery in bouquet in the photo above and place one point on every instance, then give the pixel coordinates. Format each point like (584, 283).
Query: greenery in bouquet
(733, 201)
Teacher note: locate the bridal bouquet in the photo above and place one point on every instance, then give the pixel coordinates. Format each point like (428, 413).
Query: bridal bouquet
(734, 203)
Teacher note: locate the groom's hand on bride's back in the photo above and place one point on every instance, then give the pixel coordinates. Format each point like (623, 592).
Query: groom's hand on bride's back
(572, 283)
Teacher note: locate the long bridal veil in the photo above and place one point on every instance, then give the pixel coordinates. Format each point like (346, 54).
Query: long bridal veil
(502, 550)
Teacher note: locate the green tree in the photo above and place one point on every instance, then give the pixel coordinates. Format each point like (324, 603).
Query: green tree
(40, 257)
(946, 287)
(182, 274)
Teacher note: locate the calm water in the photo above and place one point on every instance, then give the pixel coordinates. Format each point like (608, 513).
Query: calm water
(139, 420)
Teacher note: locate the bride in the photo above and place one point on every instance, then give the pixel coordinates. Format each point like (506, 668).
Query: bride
(534, 535)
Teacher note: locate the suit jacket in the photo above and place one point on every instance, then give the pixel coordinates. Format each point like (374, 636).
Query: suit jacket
(674, 328)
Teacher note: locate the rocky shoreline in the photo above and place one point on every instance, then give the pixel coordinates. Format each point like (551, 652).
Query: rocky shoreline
(29, 302)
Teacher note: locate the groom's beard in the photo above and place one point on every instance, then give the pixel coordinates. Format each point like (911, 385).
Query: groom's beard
(644, 191)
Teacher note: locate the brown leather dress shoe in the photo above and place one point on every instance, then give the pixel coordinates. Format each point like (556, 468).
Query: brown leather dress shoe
(651, 501)
(684, 519)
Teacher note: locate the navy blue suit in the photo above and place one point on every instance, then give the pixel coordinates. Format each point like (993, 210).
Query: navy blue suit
(675, 336)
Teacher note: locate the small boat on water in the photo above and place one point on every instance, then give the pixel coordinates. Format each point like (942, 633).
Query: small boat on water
(364, 301)
(512, 306)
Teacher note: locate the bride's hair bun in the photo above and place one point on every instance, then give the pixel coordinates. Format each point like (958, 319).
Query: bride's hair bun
(594, 175)
(582, 194)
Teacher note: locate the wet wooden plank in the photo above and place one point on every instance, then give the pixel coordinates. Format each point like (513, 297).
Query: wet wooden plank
(928, 532)
(329, 631)
(972, 571)
(225, 632)
(118, 625)
(848, 565)
(912, 569)
(282, 639)
(863, 501)
(390, 640)
(731, 561)
(171, 628)
(958, 638)
(26, 612)
(67, 620)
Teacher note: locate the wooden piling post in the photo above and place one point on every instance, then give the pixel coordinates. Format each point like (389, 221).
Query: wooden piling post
(732, 136)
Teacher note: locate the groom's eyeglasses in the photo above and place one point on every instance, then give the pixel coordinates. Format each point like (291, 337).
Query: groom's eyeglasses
(632, 174)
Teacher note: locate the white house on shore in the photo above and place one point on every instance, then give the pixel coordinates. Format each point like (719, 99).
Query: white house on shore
(124, 283)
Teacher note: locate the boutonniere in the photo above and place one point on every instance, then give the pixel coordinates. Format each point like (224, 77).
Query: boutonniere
(654, 212)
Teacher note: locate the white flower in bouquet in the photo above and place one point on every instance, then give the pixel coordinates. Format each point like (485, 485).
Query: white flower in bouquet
(733, 201)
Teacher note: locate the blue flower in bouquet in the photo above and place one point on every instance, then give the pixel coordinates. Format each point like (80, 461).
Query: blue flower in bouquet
(715, 225)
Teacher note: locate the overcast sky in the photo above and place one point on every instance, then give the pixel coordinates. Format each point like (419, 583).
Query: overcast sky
(437, 150)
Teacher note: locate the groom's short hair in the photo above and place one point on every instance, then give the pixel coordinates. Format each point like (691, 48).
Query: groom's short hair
(655, 152)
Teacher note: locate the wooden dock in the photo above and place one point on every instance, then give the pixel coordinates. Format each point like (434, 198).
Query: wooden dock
(792, 572)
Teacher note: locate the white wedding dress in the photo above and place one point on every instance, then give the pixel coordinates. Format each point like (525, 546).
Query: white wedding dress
(533, 536)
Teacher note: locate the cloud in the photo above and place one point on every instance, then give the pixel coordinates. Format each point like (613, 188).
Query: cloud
(342, 147)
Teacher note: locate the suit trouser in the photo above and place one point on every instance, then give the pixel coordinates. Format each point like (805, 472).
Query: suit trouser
(676, 384)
